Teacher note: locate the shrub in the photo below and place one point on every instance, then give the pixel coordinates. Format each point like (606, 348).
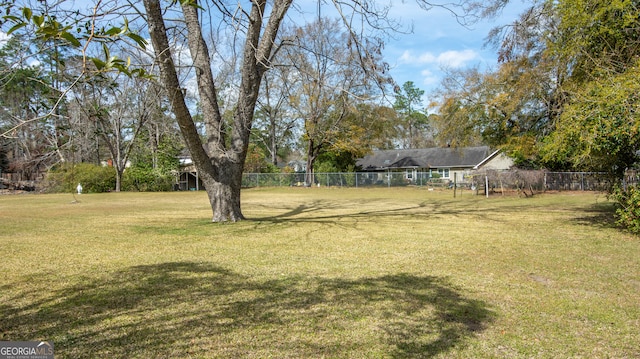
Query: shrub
(94, 178)
(628, 207)
(143, 179)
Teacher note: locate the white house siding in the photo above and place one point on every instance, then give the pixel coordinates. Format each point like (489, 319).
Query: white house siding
(499, 162)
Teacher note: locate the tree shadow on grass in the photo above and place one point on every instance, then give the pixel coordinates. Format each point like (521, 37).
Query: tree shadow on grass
(321, 212)
(187, 309)
(600, 215)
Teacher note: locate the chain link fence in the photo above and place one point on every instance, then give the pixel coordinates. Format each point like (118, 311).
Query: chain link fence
(631, 178)
(536, 181)
(479, 181)
(336, 179)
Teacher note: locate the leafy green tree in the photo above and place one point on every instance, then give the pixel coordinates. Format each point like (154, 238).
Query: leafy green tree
(508, 109)
(257, 161)
(25, 129)
(365, 127)
(516, 105)
(600, 129)
(413, 122)
(556, 98)
(46, 41)
(597, 37)
(154, 161)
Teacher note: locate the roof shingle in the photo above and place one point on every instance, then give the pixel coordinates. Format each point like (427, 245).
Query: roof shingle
(436, 157)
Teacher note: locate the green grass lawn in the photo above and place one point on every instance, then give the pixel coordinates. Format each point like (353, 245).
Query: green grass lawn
(320, 273)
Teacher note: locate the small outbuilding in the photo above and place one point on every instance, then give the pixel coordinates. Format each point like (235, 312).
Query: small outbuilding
(187, 177)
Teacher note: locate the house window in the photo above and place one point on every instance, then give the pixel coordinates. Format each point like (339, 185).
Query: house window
(443, 172)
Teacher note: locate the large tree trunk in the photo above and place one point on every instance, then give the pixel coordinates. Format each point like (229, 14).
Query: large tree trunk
(224, 194)
(220, 192)
(220, 163)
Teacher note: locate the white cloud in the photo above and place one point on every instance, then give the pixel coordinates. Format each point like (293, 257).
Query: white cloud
(457, 59)
(407, 57)
(429, 78)
(451, 58)
(426, 73)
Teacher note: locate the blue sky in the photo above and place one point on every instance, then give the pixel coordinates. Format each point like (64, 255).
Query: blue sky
(439, 42)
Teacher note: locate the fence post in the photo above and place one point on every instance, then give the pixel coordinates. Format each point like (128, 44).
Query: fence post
(486, 186)
(455, 184)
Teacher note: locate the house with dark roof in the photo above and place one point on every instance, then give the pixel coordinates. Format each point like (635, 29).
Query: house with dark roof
(448, 163)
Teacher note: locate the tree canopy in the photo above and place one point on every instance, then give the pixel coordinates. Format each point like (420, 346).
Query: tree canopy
(413, 121)
(217, 52)
(563, 95)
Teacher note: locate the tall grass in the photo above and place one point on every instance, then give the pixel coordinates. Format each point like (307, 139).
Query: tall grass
(333, 273)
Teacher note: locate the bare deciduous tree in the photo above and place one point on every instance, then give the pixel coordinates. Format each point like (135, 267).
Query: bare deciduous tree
(254, 26)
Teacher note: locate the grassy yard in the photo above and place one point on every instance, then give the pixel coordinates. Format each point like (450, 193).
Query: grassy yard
(320, 273)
